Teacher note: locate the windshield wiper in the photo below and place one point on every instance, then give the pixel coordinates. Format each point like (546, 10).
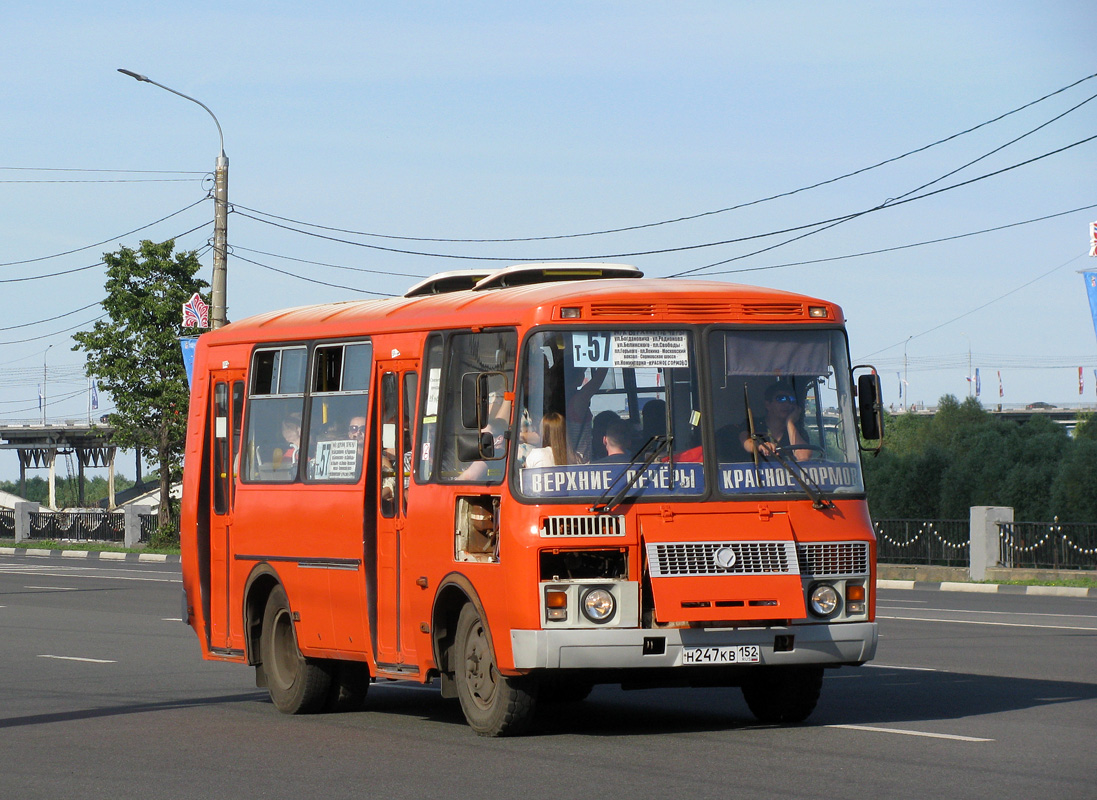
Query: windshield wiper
(818, 499)
(661, 443)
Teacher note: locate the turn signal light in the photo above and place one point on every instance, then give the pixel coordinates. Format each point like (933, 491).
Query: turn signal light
(856, 593)
(556, 605)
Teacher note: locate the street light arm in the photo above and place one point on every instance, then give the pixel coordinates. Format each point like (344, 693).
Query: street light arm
(145, 79)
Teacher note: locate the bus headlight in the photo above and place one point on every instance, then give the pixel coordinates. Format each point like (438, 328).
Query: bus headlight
(598, 605)
(824, 600)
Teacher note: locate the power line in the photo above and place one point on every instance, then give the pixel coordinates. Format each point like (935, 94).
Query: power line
(333, 266)
(313, 280)
(704, 213)
(902, 246)
(96, 264)
(105, 241)
(55, 333)
(51, 319)
(682, 248)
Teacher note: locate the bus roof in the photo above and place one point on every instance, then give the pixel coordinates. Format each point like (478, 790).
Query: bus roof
(598, 301)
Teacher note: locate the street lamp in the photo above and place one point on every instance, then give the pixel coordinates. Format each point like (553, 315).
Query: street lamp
(43, 398)
(218, 311)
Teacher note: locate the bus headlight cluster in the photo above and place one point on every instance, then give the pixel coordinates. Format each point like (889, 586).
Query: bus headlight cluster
(824, 600)
(598, 605)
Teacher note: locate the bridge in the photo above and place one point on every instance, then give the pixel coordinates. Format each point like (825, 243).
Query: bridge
(39, 446)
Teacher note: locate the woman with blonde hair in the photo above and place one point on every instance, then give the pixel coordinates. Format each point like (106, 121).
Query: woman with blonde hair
(554, 437)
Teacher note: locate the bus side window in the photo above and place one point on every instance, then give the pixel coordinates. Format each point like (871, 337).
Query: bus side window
(485, 412)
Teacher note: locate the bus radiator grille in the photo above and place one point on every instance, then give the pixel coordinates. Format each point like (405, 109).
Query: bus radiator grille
(833, 559)
(684, 559)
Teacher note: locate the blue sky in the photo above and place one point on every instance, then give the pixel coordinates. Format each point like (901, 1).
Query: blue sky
(486, 120)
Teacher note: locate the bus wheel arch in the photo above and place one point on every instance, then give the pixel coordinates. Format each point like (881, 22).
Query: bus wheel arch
(297, 684)
(453, 594)
(260, 584)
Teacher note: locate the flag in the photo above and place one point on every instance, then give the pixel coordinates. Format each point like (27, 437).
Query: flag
(187, 345)
(1093, 239)
(899, 378)
(978, 383)
(40, 397)
(1001, 392)
(1091, 290)
(94, 394)
(195, 312)
(1081, 381)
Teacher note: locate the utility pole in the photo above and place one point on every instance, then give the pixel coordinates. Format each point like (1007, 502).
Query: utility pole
(218, 300)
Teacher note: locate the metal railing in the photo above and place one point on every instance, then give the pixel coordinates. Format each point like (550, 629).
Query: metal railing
(920, 541)
(7, 523)
(1042, 545)
(79, 526)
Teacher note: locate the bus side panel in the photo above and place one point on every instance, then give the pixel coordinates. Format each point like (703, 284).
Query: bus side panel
(194, 516)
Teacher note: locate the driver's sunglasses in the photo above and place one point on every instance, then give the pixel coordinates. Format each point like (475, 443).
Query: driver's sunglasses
(784, 398)
(356, 429)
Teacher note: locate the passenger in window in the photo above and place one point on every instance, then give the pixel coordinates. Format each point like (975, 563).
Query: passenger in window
(616, 440)
(580, 421)
(286, 457)
(478, 470)
(780, 428)
(556, 451)
(598, 433)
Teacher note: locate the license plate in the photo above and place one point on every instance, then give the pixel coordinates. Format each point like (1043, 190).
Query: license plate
(733, 654)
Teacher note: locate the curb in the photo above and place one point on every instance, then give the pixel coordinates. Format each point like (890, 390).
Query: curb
(989, 588)
(92, 555)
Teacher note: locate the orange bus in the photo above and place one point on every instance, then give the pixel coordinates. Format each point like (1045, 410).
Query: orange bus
(527, 482)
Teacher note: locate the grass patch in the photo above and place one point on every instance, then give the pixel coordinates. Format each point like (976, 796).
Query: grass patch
(1080, 583)
(110, 547)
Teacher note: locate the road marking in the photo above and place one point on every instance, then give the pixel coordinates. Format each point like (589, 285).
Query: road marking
(171, 619)
(76, 658)
(911, 669)
(999, 613)
(53, 588)
(986, 622)
(872, 729)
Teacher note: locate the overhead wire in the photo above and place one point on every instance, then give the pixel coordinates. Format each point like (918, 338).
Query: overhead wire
(902, 246)
(700, 215)
(105, 241)
(313, 280)
(684, 248)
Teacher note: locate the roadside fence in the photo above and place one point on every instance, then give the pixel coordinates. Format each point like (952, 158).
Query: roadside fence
(27, 522)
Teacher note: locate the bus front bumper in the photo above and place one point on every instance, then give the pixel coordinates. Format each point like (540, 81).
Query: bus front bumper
(632, 648)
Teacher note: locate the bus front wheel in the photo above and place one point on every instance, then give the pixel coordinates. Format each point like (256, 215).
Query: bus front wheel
(297, 685)
(783, 694)
(494, 704)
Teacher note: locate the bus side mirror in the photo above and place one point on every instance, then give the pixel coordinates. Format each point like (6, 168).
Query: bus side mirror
(470, 417)
(870, 404)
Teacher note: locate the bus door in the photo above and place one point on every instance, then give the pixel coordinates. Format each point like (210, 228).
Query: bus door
(226, 415)
(397, 382)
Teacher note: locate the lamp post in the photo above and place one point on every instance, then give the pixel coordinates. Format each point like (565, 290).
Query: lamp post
(44, 385)
(218, 305)
(906, 386)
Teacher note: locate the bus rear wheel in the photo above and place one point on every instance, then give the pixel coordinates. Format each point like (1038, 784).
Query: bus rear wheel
(297, 685)
(783, 694)
(494, 704)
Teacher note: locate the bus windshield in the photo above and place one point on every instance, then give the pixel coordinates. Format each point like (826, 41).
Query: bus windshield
(782, 396)
(607, 413)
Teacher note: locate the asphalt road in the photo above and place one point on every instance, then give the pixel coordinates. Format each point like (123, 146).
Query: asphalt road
(103, 694)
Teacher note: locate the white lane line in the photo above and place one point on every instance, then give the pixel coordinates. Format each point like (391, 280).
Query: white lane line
(999, 613)
(952, 736)
(76, 658)
(910, 669)
(171, 619)
(53, 588)
(1002, 624)
(98, 577)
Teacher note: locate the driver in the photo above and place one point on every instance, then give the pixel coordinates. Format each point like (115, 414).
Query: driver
(781, 426)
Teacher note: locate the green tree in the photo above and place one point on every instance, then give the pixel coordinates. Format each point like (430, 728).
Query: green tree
(135, 354)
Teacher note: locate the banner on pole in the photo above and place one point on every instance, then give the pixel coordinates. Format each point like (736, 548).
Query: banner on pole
(195, 312)
(1091, 291)
(187, 344)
